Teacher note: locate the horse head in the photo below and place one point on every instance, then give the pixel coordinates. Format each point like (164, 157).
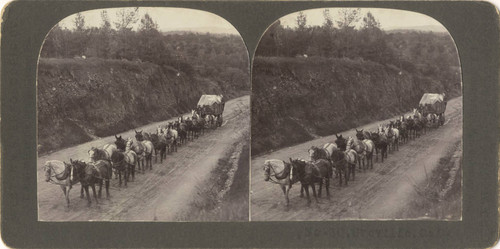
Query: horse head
(350, 143)
(92, 153)
(77, 169)
(138, 135)
(341, 142)
(120, 143)
(267, 171)
(146, 136)
(312, 152)
(359, 134)
(48, 170)
(298, 166)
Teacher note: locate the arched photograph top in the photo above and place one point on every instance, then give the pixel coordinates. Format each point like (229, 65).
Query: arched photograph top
(364, 102)
(148, 107)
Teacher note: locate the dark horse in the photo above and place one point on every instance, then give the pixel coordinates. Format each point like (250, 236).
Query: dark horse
(104, 171)
(310, 173)
(341, 142)
(124, 163)
(340, 164)
(120, 143)
(182, 130)
(380, 145)
(89, 176)
(160, 145)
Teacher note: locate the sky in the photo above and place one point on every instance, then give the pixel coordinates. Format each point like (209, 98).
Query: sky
(168, 19)
(388, 18)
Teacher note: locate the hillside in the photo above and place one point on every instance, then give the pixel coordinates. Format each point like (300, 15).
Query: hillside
(79, 99)
(295, 99)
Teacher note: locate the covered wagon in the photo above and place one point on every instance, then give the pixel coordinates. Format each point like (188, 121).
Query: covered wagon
(433, 103)
(211, 105)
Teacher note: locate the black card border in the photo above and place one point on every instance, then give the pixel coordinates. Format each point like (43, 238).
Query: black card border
(474, 27)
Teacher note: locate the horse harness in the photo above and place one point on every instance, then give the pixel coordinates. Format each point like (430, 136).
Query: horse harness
(55, 175)
(280, 178)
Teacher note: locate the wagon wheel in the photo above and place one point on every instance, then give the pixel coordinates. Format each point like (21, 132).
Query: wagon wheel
(441, 119)
(219, 121)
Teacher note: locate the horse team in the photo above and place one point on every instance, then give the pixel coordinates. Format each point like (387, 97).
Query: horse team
(122, 156)
(341, 156)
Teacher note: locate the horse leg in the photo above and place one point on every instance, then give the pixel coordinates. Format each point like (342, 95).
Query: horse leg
(89, 201)
(320, 187)
(120, 177)
(353, 169)
(93, 192)
(66, 195)
(302, 188)
(107, 188)
(347, 172)
(327, 182)
(132, 169)
(125, 176)
(346, 177)
(81, 192)
(283, 188)
(339, 175)
(307, 194)
(100, 187)
(314, 191)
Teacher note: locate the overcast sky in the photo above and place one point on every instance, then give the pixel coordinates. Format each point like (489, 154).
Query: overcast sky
(177, 19)
(168, 19)
(388, 18)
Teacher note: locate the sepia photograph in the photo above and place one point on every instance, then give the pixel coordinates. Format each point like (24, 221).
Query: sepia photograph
(143, 115)
(356, 115)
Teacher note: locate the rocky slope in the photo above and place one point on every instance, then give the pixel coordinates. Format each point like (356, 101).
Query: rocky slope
(296, 99)
(80, 99)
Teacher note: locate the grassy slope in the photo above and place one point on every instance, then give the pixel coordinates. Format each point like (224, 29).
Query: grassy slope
(434, 198)
(295, 99)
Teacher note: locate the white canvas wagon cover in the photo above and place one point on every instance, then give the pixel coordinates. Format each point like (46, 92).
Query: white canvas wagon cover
(431, 98)
(433, 103)
(209, 100)
(211, 105)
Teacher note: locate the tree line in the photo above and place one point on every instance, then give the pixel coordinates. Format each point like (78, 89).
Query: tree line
(353, 36)
(221, 57)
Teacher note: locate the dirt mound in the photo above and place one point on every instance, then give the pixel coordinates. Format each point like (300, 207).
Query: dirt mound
(80, 99)
(295, 99)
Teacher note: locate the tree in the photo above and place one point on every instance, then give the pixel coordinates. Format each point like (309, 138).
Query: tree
(328, 19)
(104, 49)
(79, 22)
(301, 21)
(147, 23)
(369, 22)
(348, 18)
(126, 18)
(105, 25)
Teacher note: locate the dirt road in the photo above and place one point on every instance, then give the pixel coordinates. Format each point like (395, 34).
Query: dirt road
(159, 194)
(380, 193)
